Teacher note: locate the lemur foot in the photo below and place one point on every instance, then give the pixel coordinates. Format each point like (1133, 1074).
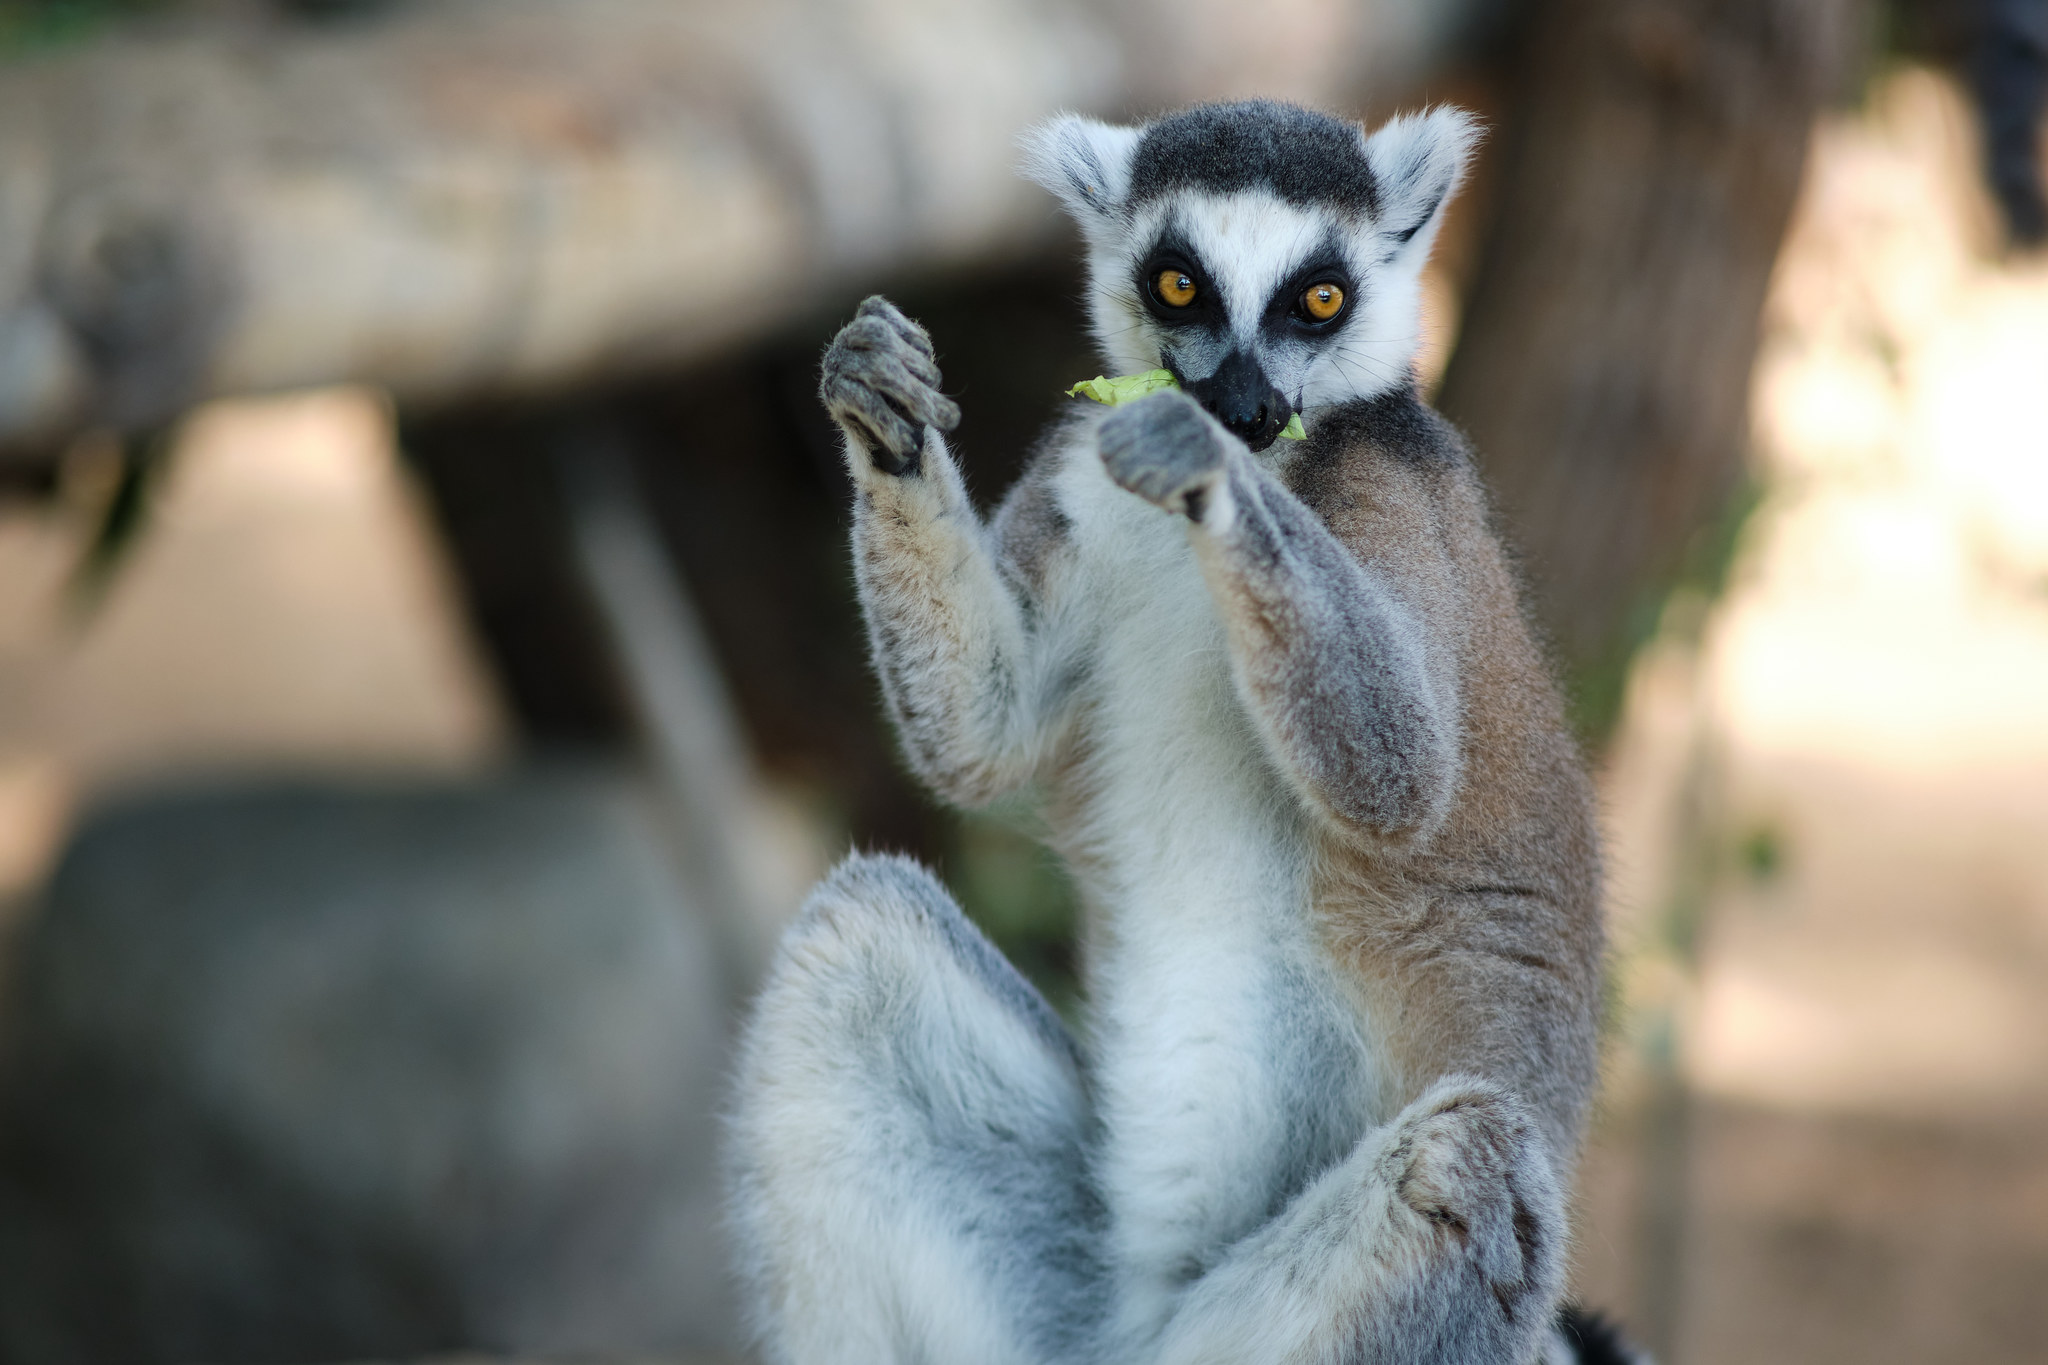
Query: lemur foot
(1473, 1167)
(1166, 450)
(880, 382)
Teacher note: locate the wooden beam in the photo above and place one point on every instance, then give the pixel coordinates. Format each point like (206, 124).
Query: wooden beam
(464, 196)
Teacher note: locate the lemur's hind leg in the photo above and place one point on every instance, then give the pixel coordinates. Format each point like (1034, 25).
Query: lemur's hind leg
(1438, 1239)
(906, 1152)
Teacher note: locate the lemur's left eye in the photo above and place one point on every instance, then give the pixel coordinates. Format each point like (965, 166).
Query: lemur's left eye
(1175, 288)
(1322, 302)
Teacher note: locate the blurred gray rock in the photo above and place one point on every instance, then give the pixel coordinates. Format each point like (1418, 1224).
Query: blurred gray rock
(299, 1074)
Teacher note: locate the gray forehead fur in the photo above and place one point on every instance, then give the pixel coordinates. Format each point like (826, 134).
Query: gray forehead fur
(1302, 156)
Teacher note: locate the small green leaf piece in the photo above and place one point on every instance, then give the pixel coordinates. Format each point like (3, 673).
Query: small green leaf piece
(1125, 388)
(1128, 388)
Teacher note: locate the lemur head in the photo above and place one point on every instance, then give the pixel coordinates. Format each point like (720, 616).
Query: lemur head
(1269, 256)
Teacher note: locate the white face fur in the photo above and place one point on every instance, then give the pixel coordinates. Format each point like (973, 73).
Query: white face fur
(1204, 268)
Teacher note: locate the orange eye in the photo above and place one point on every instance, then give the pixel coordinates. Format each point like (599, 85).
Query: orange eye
(1322, 301)
(1175, 288)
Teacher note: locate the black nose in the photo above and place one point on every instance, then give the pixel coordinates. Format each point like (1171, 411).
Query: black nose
(1240, 396)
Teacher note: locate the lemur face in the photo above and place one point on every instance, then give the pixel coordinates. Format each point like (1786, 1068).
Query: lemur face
(1246, 299)
(1268, 256)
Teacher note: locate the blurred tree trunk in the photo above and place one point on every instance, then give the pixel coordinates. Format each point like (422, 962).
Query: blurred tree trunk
(1603, 367)
(1603, 370)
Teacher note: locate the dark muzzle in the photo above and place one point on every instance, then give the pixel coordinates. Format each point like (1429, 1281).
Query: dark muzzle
(1240, 396)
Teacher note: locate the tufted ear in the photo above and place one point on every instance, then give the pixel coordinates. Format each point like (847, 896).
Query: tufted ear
(1418, 160)
(1085, 162)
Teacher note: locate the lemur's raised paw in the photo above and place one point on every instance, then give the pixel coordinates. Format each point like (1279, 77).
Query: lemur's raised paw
(880, 382)
(1166, 450)
(1471, 1165)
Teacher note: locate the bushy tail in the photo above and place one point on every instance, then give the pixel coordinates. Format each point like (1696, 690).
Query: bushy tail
(1586, 1338)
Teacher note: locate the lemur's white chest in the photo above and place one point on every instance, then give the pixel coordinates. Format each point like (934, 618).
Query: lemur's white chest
(1228, 1066)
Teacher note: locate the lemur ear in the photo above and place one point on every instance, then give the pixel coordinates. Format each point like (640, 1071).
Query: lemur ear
(1418, 160)
(1085, 162)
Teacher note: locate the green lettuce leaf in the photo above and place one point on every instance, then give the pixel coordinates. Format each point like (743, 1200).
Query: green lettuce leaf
(1128, 388)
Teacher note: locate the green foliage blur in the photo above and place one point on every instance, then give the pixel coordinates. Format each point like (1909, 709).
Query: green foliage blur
(28, 26)
(1015, 888)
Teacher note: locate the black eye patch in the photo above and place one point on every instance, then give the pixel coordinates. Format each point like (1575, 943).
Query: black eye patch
(1164, 274)
(1286, 312)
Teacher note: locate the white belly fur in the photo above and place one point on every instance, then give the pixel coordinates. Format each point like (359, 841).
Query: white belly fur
(1206, 985)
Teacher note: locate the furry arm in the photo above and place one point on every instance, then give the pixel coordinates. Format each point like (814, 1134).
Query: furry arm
(1330, 662)
(947, 630)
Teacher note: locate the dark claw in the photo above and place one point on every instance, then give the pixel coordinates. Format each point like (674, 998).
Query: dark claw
(880, 381)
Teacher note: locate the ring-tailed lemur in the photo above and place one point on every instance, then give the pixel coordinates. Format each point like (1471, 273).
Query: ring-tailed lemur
(1294, 740)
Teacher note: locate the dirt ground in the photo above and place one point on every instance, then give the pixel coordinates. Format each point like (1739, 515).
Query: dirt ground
(286, 609)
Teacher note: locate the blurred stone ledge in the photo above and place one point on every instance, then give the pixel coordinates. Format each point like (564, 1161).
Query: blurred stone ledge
(462, 195)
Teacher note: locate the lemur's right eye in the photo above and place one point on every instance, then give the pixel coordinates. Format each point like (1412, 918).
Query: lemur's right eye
(1174, 288)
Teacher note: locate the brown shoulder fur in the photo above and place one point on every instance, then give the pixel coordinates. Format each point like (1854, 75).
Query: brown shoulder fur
(1478, 947)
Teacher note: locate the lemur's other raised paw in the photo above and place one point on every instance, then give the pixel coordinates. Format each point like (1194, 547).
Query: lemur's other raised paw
(1166, 450)
(1471, 1164)
(880, 382)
